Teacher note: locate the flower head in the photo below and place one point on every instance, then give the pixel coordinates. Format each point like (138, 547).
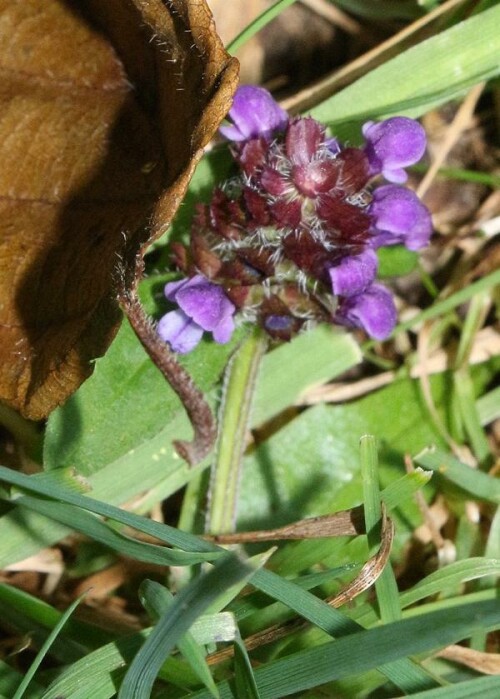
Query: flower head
(202, 306)
(291, 239)
(392, 145)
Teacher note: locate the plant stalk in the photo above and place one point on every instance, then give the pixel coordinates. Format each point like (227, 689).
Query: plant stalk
(234, 418)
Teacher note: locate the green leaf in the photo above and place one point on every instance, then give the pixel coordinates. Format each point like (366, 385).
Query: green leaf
(396, 261)
(433, 72)
(311, 358)
(281, 484)
(135, 402)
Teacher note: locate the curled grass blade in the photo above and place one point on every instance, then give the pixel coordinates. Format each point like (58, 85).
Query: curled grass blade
(385, 585)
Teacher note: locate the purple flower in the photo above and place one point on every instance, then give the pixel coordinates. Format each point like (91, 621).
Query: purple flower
(254, 113)
(399, 217)
(202, 306)
(392, 145)
(353, 274)
(295, 231)
(373, 310)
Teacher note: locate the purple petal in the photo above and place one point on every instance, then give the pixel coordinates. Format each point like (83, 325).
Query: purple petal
(172, 288)
(224, 329)
(205, 303)
(373, 310)
(179, 331)
(392, 145)
(354, 274)
(254, 113)
(400, 217)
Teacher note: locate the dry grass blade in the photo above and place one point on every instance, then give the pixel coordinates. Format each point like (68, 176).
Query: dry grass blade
(461, 122)
(486, 663)
(346, 523)
(486, 346)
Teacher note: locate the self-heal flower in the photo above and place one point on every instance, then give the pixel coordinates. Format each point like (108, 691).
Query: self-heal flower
(254, 113)
(392, 145)
(399, 217)
(203, 306)
(290, 241)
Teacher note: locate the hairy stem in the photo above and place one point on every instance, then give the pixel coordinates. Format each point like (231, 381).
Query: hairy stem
(199, 413)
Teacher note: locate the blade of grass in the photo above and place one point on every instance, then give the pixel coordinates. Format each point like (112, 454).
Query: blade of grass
(258, 24)
(488, 406)
(26, 612)
(163, 532)
(189, 604)
(466, 399)
(45, 648)
(157, 600)
(88, 524)
(404, 488)
(367, 649)
(461, 56)
(404, 673)
(331, 620)
(10, 679)
(474, 482)
(441, 307)
(450, 577)
(244, 678)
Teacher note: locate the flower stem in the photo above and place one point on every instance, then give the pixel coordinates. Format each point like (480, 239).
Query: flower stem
(239, 386)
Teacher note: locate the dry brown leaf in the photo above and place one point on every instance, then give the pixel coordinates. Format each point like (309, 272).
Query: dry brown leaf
(105, 109)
